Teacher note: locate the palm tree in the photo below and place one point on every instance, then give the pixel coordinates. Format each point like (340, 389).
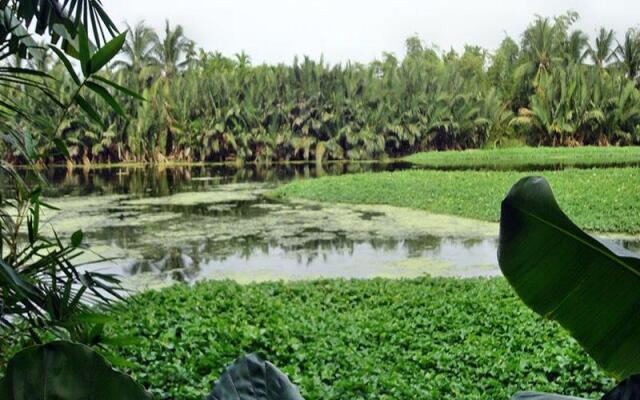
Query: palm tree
(603, 52)
(173, 50)
(628, 54)
(138, 51)
(549, 117)
(577, 47)
(191, 55)
(243, 59)
(541, 48)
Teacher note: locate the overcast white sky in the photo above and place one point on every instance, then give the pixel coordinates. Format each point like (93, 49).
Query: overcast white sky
(274, 31)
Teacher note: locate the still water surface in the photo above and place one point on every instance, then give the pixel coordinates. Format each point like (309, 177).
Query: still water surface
(158, 226)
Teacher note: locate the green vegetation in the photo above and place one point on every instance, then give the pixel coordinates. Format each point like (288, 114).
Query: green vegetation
(542, 253)
(528, 157)
(43, 290)
(555, 87)
(426, 338)
(597, 199)
(373, 339)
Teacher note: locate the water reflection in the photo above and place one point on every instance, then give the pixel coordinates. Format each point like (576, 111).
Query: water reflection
(215, 222)
(164, 181)
(250, 257)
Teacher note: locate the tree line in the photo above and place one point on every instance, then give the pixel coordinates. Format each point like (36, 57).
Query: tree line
(553, 86)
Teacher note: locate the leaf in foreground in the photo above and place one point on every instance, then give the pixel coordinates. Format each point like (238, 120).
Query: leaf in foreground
(629, 389)
(250, 377)
(64, 370)
(542, 396)
(566, 275)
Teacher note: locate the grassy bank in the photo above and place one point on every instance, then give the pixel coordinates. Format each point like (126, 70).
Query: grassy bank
(374, 339)
(528, 156)
(597, 199)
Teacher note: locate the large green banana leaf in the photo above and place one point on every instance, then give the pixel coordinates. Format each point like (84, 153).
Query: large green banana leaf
(251, 378)
(629, 389)
(566, 275)
(69, 371)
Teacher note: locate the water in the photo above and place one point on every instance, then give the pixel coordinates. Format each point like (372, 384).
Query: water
(158, 226)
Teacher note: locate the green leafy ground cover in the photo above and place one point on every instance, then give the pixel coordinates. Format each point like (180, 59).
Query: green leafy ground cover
(525, 156)
(428, 338)
(606, 200)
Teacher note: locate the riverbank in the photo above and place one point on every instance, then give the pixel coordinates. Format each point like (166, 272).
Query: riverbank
(501, 158)
(601, 200)
(534, 157)
(427, 338)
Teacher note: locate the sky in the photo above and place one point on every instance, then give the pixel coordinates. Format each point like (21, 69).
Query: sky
(274, 31)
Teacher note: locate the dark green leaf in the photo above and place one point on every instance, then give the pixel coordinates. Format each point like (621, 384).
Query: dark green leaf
(542, 396)
(67, 63)
(84, 52)
(43, 16)
(249, 377)
(64, 370)
(24, 71)
(120, 88)
(62, 147)
(107, 52)
(106, 96)
(30, 230)
(35, 194)
(566, 275)
(49, 206)
(5, 389)
(76, 238)
(629, 389)
(86, 107)
(28, 145)
(19, 285)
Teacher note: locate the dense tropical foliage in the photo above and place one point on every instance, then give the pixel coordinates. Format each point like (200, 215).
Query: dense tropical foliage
(553, 87)
(337, 338)
(44, 292)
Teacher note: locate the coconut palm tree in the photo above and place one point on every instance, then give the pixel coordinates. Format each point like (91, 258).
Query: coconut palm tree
(225, 108)
(628, 55)
(577, 47)
(138, 52)
(243, 59)
(541, 49)
(603, 51)
(173, 49)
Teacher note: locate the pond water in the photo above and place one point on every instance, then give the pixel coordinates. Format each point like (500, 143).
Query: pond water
(158, 226)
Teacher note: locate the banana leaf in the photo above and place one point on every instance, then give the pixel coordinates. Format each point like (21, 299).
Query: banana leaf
(65, 370)
(542, 396)
(566, 275)
(629, 389)
(251, 378)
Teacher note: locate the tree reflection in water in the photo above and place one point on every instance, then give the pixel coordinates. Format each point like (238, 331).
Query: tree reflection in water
(139, 212)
